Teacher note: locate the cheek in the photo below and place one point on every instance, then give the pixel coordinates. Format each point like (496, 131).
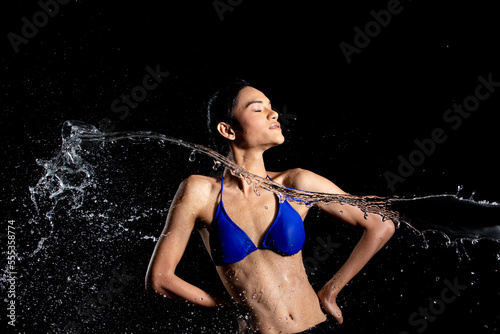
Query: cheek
(252, 125)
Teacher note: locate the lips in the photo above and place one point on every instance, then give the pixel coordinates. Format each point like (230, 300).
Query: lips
(275, 126)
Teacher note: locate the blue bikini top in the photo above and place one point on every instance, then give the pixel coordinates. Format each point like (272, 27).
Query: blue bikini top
(230, 244)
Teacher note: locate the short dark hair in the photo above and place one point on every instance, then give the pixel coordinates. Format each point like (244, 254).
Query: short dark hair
(220, 108)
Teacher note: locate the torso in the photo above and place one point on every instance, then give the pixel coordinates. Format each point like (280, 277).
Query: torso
(273, 288)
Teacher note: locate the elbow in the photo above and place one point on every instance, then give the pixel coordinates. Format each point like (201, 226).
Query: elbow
(150, 282)
(388, 229)
(159, 285)
(381, 229)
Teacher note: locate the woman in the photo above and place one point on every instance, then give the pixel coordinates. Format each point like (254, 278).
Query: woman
(254, 240)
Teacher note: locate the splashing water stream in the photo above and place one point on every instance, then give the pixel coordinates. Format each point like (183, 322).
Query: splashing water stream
(69, 172)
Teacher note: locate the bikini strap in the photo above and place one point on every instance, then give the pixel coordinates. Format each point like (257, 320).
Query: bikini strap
(221, 187)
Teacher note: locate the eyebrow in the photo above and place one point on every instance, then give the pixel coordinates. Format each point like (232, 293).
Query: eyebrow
(252, 102)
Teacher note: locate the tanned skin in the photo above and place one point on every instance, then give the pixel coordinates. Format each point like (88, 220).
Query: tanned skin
(274, 289)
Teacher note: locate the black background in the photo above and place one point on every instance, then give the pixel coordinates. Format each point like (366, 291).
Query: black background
(352, 120)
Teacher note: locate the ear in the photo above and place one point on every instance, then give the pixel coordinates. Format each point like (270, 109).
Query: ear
(226, 130)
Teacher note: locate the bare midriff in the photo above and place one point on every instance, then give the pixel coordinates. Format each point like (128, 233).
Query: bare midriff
(275, 291)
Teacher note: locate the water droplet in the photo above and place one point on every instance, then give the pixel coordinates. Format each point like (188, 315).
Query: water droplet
(341, 212)
(281, 197)
(216, 165)
(255, 190)
(192, 156)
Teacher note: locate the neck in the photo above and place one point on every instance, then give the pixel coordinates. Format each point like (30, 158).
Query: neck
(252, 161)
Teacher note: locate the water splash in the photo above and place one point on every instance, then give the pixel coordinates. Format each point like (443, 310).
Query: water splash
(69, 172)
(77, 134)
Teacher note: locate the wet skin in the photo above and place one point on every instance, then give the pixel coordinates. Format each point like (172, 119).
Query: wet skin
(274, 289)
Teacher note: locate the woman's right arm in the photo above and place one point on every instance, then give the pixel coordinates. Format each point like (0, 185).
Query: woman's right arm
(189, 201)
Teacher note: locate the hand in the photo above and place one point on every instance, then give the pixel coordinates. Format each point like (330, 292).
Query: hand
(328, 298)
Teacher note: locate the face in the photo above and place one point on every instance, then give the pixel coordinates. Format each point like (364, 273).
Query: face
(259, 122)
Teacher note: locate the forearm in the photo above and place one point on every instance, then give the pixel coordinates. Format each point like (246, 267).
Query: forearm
(176, 288)
(372, 240)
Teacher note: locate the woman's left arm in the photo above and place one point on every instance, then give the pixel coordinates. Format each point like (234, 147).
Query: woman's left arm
(376, 233)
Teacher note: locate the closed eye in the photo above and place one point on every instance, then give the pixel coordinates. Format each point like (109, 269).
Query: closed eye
(257, 102)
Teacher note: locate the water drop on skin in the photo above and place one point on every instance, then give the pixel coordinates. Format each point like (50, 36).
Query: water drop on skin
(281, 198)
(255, 190)
(248, 181)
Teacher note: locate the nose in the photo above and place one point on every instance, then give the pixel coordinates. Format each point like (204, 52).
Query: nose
(273, 114)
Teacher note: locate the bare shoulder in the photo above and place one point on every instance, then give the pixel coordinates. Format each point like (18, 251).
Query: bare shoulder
(304, 179)
(198, 194)
(200, 186)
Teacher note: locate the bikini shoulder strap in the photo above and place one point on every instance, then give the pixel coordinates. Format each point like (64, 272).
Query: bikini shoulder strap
(221, 187)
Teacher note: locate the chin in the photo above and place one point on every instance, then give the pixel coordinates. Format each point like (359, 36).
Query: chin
(279, 141)
(276, 141)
